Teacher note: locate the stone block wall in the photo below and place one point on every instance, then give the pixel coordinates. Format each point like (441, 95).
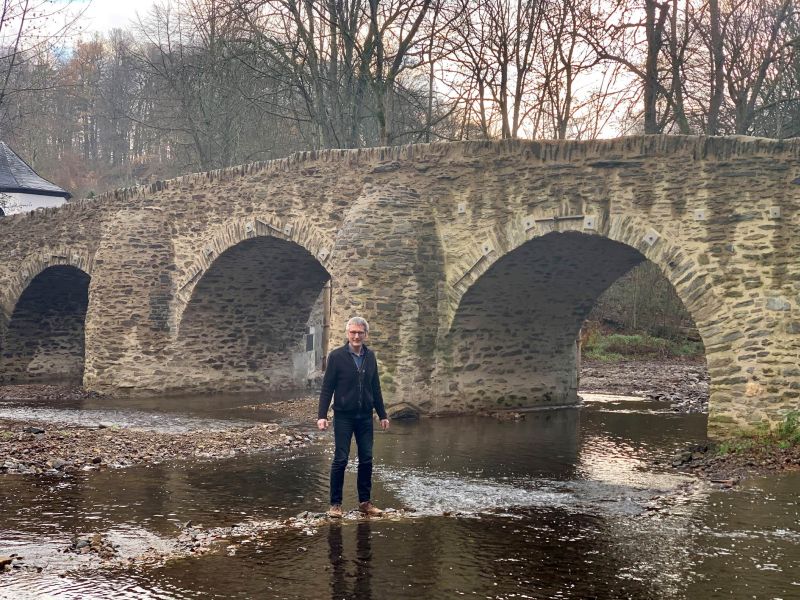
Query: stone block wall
(387, 266)
(130, 320)
(247, 319)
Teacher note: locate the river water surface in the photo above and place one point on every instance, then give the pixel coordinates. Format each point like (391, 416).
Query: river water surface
(563, 504)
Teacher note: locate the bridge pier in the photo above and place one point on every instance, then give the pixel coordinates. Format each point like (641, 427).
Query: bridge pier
(387, 266)
(130, 318)
(753, 356)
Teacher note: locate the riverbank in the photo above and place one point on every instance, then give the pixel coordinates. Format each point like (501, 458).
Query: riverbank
(32, 447)
(36, 448)
(727, 468)
(682, 383)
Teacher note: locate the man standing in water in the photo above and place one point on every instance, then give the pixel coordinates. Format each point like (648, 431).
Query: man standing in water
(351, 379)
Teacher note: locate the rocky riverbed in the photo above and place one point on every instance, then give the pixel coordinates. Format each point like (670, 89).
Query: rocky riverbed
(684, 384)
(729, 468)
(96, 550)
(299, 410)
(48, 450)
(41, 448)
(32, 447)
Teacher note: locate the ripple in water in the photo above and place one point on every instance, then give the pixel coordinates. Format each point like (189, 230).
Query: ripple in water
(430, 493)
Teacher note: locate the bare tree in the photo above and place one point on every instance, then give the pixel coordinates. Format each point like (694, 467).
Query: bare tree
(208, 83)
(343, 60)
(633, 35)
(29, 29)
(652, 40)
(497, 45)
(749, 47)
(717, 79)
(564, 58)
(119, 91)
(752, 42)
(778, 111)
(189, 60)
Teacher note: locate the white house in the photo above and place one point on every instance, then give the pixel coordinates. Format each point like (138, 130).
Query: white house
(21, 189)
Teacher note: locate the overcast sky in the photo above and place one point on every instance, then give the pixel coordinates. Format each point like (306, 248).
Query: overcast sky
(103, 15)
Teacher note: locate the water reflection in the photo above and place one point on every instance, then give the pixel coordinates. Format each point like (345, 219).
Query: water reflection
(362, 579)
(545, 444)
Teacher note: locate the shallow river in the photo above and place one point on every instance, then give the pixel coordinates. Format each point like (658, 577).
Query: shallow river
(565, 504)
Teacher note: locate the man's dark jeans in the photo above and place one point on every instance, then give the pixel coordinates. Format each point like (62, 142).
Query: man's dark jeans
(345, 426)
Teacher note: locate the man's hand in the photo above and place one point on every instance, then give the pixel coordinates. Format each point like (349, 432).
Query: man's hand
(322, 424)
(384, 424)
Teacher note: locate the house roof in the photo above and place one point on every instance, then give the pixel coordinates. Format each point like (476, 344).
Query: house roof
(17, 176)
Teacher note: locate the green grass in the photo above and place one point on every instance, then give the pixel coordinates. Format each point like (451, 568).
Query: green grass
(786, 435)
(616, 347)
(789, 429)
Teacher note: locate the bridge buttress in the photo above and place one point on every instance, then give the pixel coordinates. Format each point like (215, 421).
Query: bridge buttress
(130, 321)
(387, 266)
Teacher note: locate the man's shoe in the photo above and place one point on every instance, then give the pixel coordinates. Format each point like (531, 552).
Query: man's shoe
(368, 508)
(335, 511)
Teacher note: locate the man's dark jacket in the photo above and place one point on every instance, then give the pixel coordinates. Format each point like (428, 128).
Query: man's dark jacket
(354, 391)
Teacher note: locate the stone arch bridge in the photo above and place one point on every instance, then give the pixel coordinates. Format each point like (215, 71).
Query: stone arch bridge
(475, 262)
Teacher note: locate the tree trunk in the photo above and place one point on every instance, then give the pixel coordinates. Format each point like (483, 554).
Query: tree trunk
(655, 15)
(717, 74)
(676, 56)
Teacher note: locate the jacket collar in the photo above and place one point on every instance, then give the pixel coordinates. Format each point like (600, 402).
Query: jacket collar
(346, 348)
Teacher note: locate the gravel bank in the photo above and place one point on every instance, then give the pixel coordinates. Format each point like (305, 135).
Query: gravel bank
(32, 447)
(684, 384)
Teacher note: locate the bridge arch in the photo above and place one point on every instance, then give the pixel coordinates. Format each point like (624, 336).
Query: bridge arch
(43, 336)
(509, 339)
(298, 231)
(677, 264)
(251, 316)
(80, 258)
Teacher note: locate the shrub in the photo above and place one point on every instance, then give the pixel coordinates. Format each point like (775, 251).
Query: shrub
(789, 428)
(617, 346)
(786, 435)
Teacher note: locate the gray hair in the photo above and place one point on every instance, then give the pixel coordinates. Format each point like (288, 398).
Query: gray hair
(357, 321)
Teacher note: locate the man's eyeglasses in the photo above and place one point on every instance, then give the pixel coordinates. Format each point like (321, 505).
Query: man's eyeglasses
(357, 332)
